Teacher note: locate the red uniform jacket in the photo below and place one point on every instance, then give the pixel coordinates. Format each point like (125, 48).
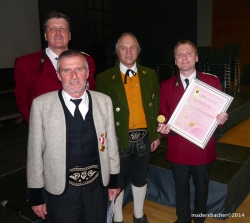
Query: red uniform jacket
(181, 150)
(35, 75)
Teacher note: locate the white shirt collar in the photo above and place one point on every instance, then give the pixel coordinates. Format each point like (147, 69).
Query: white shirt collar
(123, 69)
(191, 77)
(83, 106)
(52, 56)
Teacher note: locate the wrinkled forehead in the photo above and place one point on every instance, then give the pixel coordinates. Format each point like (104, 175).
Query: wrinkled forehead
(71, 61)
(128, 40)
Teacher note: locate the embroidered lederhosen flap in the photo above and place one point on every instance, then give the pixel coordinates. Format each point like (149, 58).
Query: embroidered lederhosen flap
(79, 176)
(137, 134)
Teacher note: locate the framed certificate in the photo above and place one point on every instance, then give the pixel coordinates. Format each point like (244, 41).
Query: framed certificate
(195, 115)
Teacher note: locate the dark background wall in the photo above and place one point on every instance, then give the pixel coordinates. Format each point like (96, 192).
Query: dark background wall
(96, 25)
(19, 25)
(158, 24)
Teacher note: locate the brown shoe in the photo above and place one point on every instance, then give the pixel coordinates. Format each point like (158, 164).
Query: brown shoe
(143, 219)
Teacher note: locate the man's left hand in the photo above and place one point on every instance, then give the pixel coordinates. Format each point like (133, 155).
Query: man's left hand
(113, 193)
(222, 118)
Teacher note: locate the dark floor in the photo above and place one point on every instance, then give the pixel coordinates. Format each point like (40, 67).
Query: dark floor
(13, 144)
(239, 100)
(230, 159)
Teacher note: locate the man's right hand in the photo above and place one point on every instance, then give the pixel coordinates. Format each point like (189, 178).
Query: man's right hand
(163, 128)
(40, 210)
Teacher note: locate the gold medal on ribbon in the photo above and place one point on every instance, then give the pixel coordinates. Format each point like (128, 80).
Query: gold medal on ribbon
(161, 119)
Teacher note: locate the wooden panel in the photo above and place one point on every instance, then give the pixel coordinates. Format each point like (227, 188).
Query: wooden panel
(239, 135)
(231, 22)
(157, 213)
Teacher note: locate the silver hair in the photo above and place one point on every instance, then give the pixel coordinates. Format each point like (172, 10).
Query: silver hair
(71, 53)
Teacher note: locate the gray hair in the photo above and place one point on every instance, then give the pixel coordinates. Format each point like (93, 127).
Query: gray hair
(71, 53)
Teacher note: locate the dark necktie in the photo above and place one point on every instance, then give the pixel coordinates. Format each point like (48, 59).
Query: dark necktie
(187, 82)
(56, 58)
(127, 74)
(77, 114)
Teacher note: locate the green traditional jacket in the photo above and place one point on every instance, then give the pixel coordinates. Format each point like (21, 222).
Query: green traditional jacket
(110, 83)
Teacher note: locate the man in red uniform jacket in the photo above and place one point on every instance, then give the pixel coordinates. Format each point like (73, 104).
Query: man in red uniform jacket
(185, 157)
(35, 73)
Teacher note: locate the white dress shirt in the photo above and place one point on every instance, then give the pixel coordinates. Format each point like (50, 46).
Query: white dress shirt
(123, 69)
(52, 56)
(191, 77)
(83, 106)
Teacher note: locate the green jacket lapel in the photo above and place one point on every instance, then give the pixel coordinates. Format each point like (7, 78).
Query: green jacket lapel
(117, 87)
(145, 83)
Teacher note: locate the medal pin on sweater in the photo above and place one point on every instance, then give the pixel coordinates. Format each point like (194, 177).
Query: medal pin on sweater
(102, 140)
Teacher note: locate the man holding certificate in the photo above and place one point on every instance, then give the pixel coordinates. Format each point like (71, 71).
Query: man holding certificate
(185, 157)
